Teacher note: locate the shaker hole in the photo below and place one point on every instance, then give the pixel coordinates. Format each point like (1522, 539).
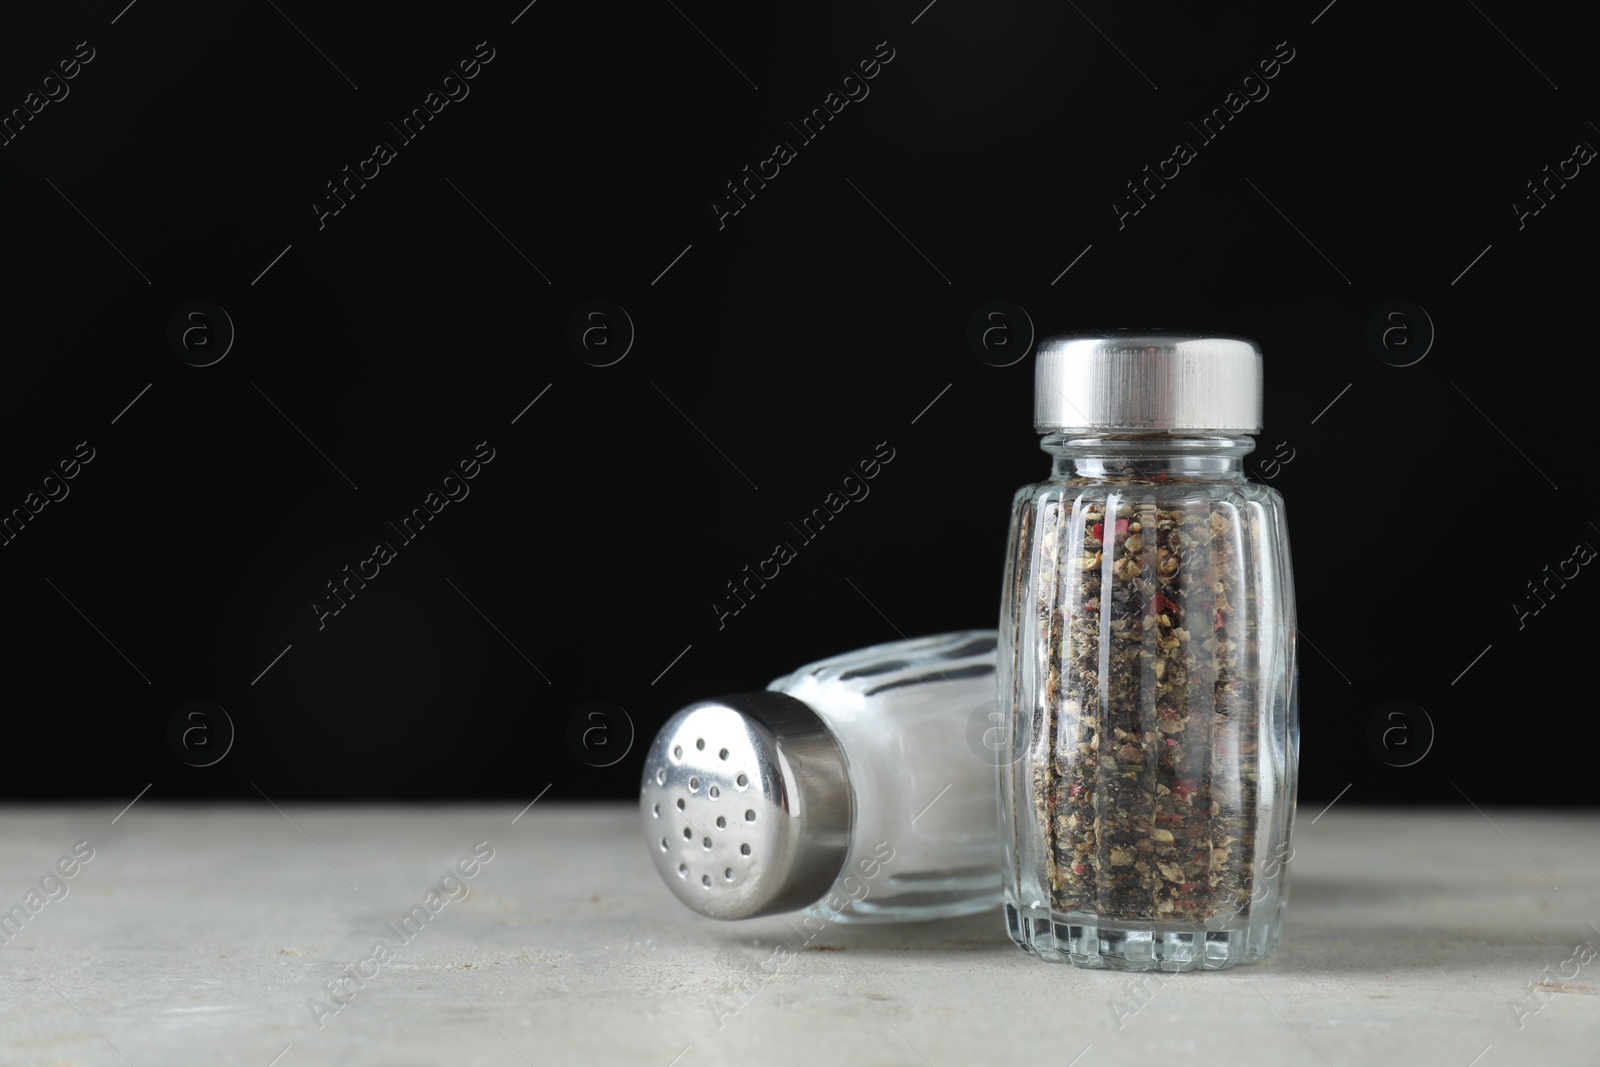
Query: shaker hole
(744, 850)
(714, 792)
(750, 815)
(677, 751)
(694, 784)
(728, 874)
(700, 743)
(661, 776)
(687, 833)
(663, 844)
(722, 824)
(680, 803)
(683, 870)
(706, 844)
(705, 880)
(656, 810)
(723, 754)
(742, 781)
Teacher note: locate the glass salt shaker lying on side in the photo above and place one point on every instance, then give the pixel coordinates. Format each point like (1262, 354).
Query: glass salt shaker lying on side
(1147, 668)
(848, 784)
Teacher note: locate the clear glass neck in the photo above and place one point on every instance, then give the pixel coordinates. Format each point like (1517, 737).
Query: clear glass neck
(1148, 457)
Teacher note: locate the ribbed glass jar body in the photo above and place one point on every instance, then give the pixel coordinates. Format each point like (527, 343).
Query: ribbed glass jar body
(925, 843)
(1147, 678)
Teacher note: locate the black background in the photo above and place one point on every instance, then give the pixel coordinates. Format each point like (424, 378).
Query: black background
(818, 322)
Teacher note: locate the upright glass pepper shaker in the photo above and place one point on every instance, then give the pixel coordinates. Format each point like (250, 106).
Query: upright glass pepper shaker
(847, 785)
(1147, 664)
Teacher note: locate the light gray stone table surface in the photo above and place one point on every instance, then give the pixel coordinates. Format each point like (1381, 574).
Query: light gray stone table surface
(197, 935)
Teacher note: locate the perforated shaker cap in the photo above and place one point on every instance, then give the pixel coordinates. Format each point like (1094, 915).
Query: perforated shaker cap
(747, 805)
(1147, 381)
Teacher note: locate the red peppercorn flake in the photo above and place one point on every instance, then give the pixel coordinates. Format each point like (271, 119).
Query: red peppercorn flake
(1098, 530)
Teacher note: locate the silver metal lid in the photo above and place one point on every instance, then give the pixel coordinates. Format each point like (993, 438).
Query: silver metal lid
(1147, 381)
(747, 805)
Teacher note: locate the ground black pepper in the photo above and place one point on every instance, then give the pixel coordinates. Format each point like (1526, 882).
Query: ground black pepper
(1147, 802)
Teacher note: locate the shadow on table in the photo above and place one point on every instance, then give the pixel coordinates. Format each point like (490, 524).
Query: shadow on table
(1315, 892)
(1350, 926)
(984, 932)
(1316, 940)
